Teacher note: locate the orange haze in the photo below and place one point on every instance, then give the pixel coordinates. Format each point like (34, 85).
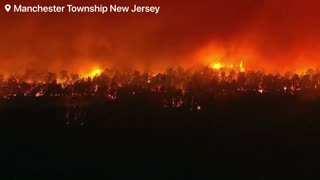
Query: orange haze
(274, 35)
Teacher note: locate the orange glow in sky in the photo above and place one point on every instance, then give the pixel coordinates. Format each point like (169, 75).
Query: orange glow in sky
(272, 35)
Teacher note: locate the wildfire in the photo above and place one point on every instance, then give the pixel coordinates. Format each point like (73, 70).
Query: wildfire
(93, 73)
(241, 67)
(218, 66)
(96, 72)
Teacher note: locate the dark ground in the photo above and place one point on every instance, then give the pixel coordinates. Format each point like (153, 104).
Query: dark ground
(240, 138)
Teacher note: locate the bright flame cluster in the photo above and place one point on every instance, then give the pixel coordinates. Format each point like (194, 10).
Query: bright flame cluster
(218, 66)
(93, 73)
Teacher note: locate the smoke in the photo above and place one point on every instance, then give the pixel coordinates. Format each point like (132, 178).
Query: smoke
(272, 34)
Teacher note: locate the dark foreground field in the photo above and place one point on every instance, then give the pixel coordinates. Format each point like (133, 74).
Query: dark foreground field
(239, 138)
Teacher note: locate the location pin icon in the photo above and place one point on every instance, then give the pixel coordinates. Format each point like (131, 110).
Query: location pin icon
(7, 7)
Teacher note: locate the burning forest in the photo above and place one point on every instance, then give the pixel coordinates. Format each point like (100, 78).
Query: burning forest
(174, 88)
(210, 89)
